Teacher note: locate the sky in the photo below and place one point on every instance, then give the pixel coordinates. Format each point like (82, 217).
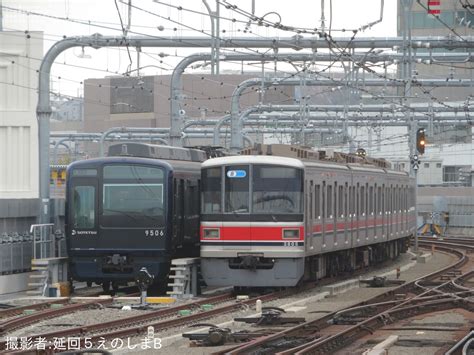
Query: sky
(162, 18)
(59, 18)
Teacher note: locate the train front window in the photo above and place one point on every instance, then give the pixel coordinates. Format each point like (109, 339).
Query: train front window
(277, 190)
(83, 202)
(211, 190)
(237, 189)
(132, 195)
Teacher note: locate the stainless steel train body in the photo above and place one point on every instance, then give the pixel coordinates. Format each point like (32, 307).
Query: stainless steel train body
(273, 221)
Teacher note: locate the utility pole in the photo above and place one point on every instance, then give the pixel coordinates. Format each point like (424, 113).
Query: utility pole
(215, 36)
(412, 126)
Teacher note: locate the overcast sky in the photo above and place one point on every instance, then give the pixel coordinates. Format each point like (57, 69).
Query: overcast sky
(58, 18)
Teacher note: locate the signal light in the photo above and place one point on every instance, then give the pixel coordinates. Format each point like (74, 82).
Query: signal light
(420, 141)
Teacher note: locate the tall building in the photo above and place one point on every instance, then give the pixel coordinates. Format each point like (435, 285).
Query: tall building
(18, 129)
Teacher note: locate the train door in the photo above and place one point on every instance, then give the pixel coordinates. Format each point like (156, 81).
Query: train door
(331, 218)
(191, 210)
(309, 213)
(392, 211)
(324, 214)
(396, 206)
(406, 210)
(345, 212)
(317, 218)
(365, 217)
(178, 215)
(378, 212)
(384, 212)
(356, 217)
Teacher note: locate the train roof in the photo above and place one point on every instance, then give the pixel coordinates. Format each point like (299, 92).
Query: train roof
(254, 159)
(154, 151)
(167, 164)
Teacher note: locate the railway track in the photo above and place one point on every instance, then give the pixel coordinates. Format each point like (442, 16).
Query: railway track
(433, 292)
(15, 311)
(427, 293)
(136, 325)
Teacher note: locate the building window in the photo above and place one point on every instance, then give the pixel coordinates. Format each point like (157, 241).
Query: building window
(454, 173)
(426, 165)
(438, 165)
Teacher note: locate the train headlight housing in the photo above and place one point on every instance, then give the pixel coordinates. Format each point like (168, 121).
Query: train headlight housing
(291, 234)
(211, 233)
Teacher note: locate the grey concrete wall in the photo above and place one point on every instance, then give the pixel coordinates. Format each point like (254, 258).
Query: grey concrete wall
(16, 215)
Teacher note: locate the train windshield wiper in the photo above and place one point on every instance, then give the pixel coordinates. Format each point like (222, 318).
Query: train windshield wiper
(128, 214)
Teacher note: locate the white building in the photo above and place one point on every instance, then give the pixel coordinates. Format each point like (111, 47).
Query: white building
(20, 58)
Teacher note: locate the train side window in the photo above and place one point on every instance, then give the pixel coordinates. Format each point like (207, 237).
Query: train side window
(317, 199)
(84, 207)
(329, 202)
(371, 200)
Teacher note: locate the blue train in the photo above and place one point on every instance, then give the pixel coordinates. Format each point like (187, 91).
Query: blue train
(138, 207)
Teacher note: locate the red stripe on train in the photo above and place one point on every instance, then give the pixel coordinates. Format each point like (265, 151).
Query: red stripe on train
(253, 233)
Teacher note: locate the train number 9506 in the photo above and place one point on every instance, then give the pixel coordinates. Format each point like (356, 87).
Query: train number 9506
(154, 232)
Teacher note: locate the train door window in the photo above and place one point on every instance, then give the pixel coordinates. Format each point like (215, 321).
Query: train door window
(379, 198)
(83, 200)
(329, 202)
(356, 205)
(362, 200)
(237, 189)
(211, 190)
(317, 200)
(340, 202)
(311, 200)
(323, 200)
(346, 200)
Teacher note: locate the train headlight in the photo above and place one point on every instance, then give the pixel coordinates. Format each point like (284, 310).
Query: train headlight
(291, 234)
(211, 233)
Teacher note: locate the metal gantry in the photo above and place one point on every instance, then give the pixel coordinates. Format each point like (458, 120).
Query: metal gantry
(177, 118)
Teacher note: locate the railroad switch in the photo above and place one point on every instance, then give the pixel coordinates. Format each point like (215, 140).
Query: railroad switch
(271, 316)
(381, 281)
(219, 336)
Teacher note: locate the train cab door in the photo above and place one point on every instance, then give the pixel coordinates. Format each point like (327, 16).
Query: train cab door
(82, 229)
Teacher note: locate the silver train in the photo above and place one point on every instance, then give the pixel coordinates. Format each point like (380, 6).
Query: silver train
(269, 220)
